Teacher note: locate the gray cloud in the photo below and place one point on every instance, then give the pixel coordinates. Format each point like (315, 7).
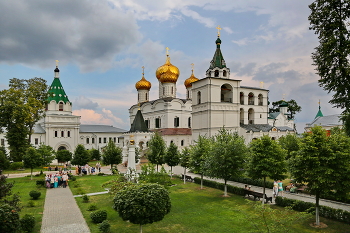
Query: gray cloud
(87, 33)
(83, 102)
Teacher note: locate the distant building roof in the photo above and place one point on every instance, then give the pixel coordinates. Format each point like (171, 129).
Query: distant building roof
(138, 124)
(38, 129)
(273, 115)
(331, 120)
(100, 129)
(264, 127)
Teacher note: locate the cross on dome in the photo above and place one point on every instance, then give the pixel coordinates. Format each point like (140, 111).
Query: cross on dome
(219, 28)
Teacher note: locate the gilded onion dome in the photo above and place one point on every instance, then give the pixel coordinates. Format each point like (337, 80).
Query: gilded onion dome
(143, 84)
(167, 73)
(188, 82)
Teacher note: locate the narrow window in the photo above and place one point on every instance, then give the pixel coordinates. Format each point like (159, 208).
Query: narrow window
(115, 139)
(147, 123)
(92, 140)
(68, 134)
(198, 97)
(55, 134)
(189, 122)
(104, 140)
(172, 90)
(62, 134)
(182, 142)
(60, 106)
(157, 122)
(87, 140)
(146, 96)
(36, 141)
(216, 73)
(176, 122)
(99, 140)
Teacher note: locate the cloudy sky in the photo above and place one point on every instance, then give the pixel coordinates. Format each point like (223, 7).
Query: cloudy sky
(102, 45)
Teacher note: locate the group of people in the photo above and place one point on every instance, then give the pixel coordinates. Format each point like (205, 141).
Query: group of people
(87, 169)
(277, 189)
(57, 180)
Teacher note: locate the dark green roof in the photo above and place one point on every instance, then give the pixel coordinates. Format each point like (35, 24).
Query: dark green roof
(139, 124)
(319, 113)
(56, 91)
(284, 104)
(218, 59)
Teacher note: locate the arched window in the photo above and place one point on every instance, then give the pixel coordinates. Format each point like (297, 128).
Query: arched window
(226, 93)
(260, 99)
(241, 98)
(251, 98)
(138, 96)
(62, 134)
(216, 73)
(182, 142)
(146, 96)
(172, 90)
(199, 97)
(251, 116)
(60, 106)
(224, 73)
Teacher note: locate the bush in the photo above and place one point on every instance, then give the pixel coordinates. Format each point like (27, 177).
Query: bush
(40, 183)
(27, 223)
(35, 194)
(98, 216)
(104, 227)
(31, 203)
(325, 211)
(246, 180)
(73, 178)
(150, 175)
(80, 191)
(16, 165)
(92, 207)
(9, 219)
(101, 174)
(85, 198)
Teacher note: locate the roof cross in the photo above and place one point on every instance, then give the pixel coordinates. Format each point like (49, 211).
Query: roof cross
(167, 51)
(219, 28)
(57, 61)
(143, 70)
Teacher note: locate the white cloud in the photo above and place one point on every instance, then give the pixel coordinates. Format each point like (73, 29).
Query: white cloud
(84, 102)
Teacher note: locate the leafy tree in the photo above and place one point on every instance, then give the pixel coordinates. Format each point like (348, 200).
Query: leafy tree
(227, 156)
(95, 154)
(81, 156)
(172, 157)
(293, 107)
(290, 143)
(323, 162)
(185, 160)
(111, 154)
(156, 150)
(47, 153)
(6, 193)
(267, 159)
(328, 19)
(32, 159)
(21, 106)
(142, 204)
(64, 156)
(199, 152)
(4, 162)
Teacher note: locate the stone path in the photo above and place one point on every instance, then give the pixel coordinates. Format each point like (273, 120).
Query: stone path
(62, 214)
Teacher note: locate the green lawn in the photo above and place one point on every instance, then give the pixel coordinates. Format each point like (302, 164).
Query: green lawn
(22, 187)
(195, 210)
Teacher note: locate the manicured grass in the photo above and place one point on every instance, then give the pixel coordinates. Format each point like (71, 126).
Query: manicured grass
(26, 170)
(195, 210)
(89, 183)
(22, 187)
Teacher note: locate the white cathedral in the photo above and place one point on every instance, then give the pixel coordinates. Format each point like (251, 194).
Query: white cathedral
(211, 103)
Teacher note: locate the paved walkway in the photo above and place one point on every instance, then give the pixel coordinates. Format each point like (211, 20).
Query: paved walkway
(61, 213)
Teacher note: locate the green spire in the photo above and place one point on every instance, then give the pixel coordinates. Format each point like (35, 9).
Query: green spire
(319, 113)
(218, 59)
(56, 91)
(139, 124)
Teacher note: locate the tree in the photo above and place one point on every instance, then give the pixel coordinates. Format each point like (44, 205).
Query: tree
(21, 106)
(267, 159)
(32, 159)
(95, 154)
(47, 153)
(81, 156)
(111, 154)
(290, 143)
(156, 150)
(4, 162)
(185, 160)
(227, 156)
(172, 157)
(328, 19)
(64, 156)
(323, 162)
(142, 204)
(293, 107)
(199, 152)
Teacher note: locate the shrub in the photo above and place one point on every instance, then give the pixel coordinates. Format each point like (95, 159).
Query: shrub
(150, 175)
(35, 194)
(73, 178)
(217, 185)
(85, 198)
(31, 203)
(104, 227)
(27, 223)
(98, 216)
(40, 182)
(80, 191)
(9, 219)
(92, 207)
(16, 165)
(101, 174)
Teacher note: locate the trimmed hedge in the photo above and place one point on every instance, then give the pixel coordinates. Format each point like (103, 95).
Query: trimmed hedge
(221, 186)
(325, 211)
(245, 180)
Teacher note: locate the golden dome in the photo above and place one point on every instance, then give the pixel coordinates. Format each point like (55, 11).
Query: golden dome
(167, 73)
(188, 82)
(143, 84)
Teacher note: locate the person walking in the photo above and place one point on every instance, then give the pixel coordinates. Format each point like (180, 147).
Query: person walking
(280, 188)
